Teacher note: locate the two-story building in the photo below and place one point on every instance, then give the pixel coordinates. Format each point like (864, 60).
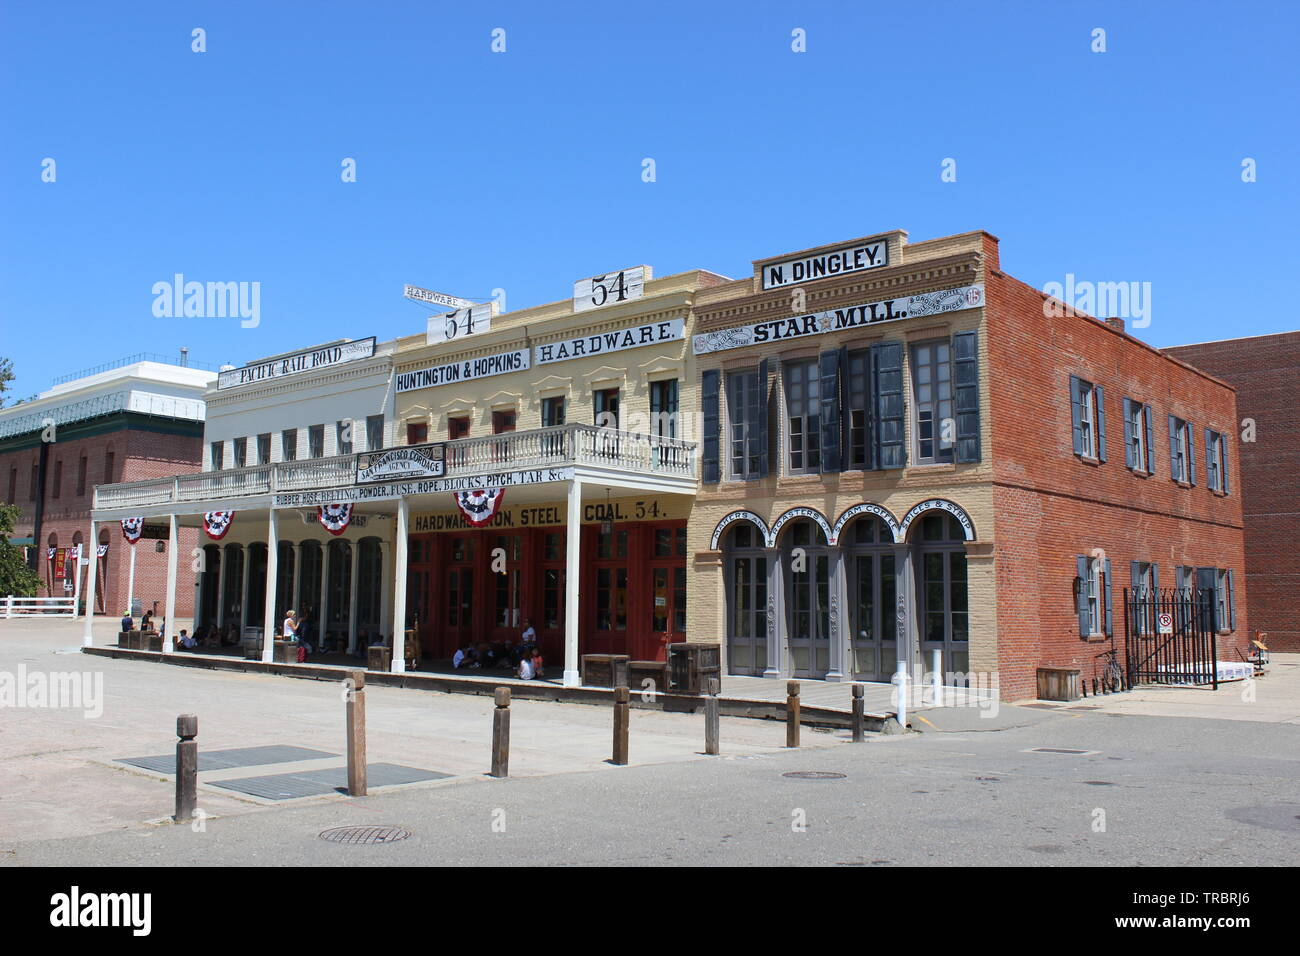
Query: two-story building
(905, 452)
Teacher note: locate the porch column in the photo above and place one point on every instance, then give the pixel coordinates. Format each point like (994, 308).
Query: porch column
(222, 561)
(247, 555)
(324, 593)
(352, 598)
(272, 575)
(87, 638)
(839, 618)
(130, 581)
(385, 586)
(169, 612)
(908, 646)
(572, 577)
(776, 656)
(399, 587)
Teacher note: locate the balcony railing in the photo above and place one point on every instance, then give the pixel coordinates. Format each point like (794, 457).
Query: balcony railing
(561, 446)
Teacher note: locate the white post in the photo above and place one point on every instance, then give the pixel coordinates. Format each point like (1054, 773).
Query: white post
(9, 606)
(352, 596)
(324, 593)
(169, 608)
(272, 580)
(936, 676)
(900, 678)
(76, 579)
(572, 575)
(223, 555)
(130, 582)
(399, 588)
(87, 638)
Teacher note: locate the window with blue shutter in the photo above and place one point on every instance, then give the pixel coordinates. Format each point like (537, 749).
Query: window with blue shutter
(1110, 616)
(709, 398)
(1076, 414)
(830, 416)
(1099, 396)
(887, 369)
(1190, 438)
(1232, 604)
(965, 350)
(1081, 594)
(759, 437)
(1131, 431)
(1151, 444)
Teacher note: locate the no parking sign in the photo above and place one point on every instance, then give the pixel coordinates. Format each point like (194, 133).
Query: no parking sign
(1165, 623)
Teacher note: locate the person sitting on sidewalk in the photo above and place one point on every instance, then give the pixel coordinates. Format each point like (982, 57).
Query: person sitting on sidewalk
(187, 641)
(127, 623)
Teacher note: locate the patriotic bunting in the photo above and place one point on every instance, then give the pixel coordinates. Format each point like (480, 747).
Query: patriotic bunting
(479, 506)
(334, 518)
(101, 550)
(132, 528)
(217, 523)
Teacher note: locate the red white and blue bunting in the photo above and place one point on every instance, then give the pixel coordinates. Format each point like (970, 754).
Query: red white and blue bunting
(217, 523)
(479, 506)
(101, 550)
(335, 518)
(132, 528)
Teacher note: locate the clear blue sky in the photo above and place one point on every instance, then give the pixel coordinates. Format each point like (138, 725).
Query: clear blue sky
(522, 170)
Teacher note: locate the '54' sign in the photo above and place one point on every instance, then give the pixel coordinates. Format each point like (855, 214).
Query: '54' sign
(610, 288)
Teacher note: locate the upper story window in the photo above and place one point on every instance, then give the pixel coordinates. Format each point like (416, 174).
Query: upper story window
(81, 475)
(1139, 453)
(1094, 596)
(57, 489)
(663, 408)
(553, 411)
(857, 409)
(503, 421)
(108, 467)
(316, 441)
(457, 427)
(374, 432)
(1216, 461)
(218, 455)
(13, 486)
(605, 402)
(1088, 419)
(289, 444)
(746, 404)
(932, 400)
(343, 436)
(417, 433)
(35, 482)
(803, 417)
(241, 452)
(264, 448)
(1182, 451)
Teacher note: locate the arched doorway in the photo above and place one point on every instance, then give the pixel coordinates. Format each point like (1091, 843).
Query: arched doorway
(872, 579)
(942, 605)
(256, 598)
(232, 600)
(338, 599)
(369, 585)
(309, 569)
(745, 568)
(209, 583)
(805, 563)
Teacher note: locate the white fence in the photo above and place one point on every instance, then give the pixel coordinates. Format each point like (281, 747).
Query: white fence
(40, 607)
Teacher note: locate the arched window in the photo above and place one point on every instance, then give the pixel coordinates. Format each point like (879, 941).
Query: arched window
(871, 575)
(806, 563)
(745, 565)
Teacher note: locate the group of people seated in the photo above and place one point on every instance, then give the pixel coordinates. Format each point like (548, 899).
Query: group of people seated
(210, 636)
(525, 658)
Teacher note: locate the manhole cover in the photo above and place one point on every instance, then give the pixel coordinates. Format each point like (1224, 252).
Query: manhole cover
(815, 775)
(1057, 750)
(364, 835)
(1099, 783)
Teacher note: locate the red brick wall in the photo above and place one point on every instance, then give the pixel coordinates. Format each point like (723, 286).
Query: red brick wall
(138, 453)
(1265, 370)
(1051, 506)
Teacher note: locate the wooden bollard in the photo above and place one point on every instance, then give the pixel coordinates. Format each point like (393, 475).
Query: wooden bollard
(622, 718)
(187, 767)
(859, 714)
(711, 713)
(501, 734)
(792, 714)
(356, 707)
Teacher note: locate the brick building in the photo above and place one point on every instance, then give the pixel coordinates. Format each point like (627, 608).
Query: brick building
(1265, 370)
(907, 451)
(139, 420)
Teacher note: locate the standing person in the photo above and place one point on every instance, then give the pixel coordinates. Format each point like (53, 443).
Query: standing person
(146, 622)
(127, 623)
(304, 632)
(290, 626)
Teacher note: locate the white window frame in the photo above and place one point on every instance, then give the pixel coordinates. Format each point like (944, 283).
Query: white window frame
(1180, 453)
(1095, 622)
(1137, 426)
(1088, 420)
(1221, 607)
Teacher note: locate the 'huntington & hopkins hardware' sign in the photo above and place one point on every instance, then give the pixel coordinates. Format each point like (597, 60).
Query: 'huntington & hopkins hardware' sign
(498, 364)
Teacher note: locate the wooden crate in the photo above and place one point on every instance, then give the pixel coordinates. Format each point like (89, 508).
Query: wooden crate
(639, 671)
(691, 664)
(151, 641)
(604, 670)
(380, 657)
(1058, 683)
(286, 652)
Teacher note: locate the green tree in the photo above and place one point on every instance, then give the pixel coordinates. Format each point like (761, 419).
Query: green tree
(16, 577)
(6, 376)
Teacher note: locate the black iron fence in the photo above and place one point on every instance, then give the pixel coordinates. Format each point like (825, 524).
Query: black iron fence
(1171, 636)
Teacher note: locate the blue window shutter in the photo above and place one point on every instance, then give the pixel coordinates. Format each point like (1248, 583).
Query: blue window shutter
(1205, 597)
(1128, 434)
(1135, 574)
(966, 395)
(1100, 396)
(1151, 444)
(1191, 453)
(1175, 472)
(1081, 599)
(1211, 480)
(1232, 604)
(1155, 579)
(887, 362)
(1109, 614)
(1076, 413)
(1223, 460)
(830, 410)
(761, 437)
(711, 465)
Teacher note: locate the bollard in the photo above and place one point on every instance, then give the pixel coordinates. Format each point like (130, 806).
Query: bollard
(501, 734)
(936, 678)
(622, 717)
(356, 729)
(187, 767)
(711, 723)
(900, 678)
(859, 714)
(792, 714)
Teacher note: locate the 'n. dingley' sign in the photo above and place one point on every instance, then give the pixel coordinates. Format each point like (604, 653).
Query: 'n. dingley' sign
(307, 360)
(413, 461)
(868, 255)
(834, 320)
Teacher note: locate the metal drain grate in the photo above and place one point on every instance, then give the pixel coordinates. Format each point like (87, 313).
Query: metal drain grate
(815, 775)
(364, 836)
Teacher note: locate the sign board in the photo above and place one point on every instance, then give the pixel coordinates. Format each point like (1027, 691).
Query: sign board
(610, 288)
(666, 508)
(786, 272)
(460, 324)
(634, 337)
(1165, 623)
(308, 360)
(435, 298)
(422, 486)
(835, 320)
(411, 461)
(452, 372)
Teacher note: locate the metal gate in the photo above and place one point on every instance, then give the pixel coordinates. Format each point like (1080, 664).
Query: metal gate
(1171, 636)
